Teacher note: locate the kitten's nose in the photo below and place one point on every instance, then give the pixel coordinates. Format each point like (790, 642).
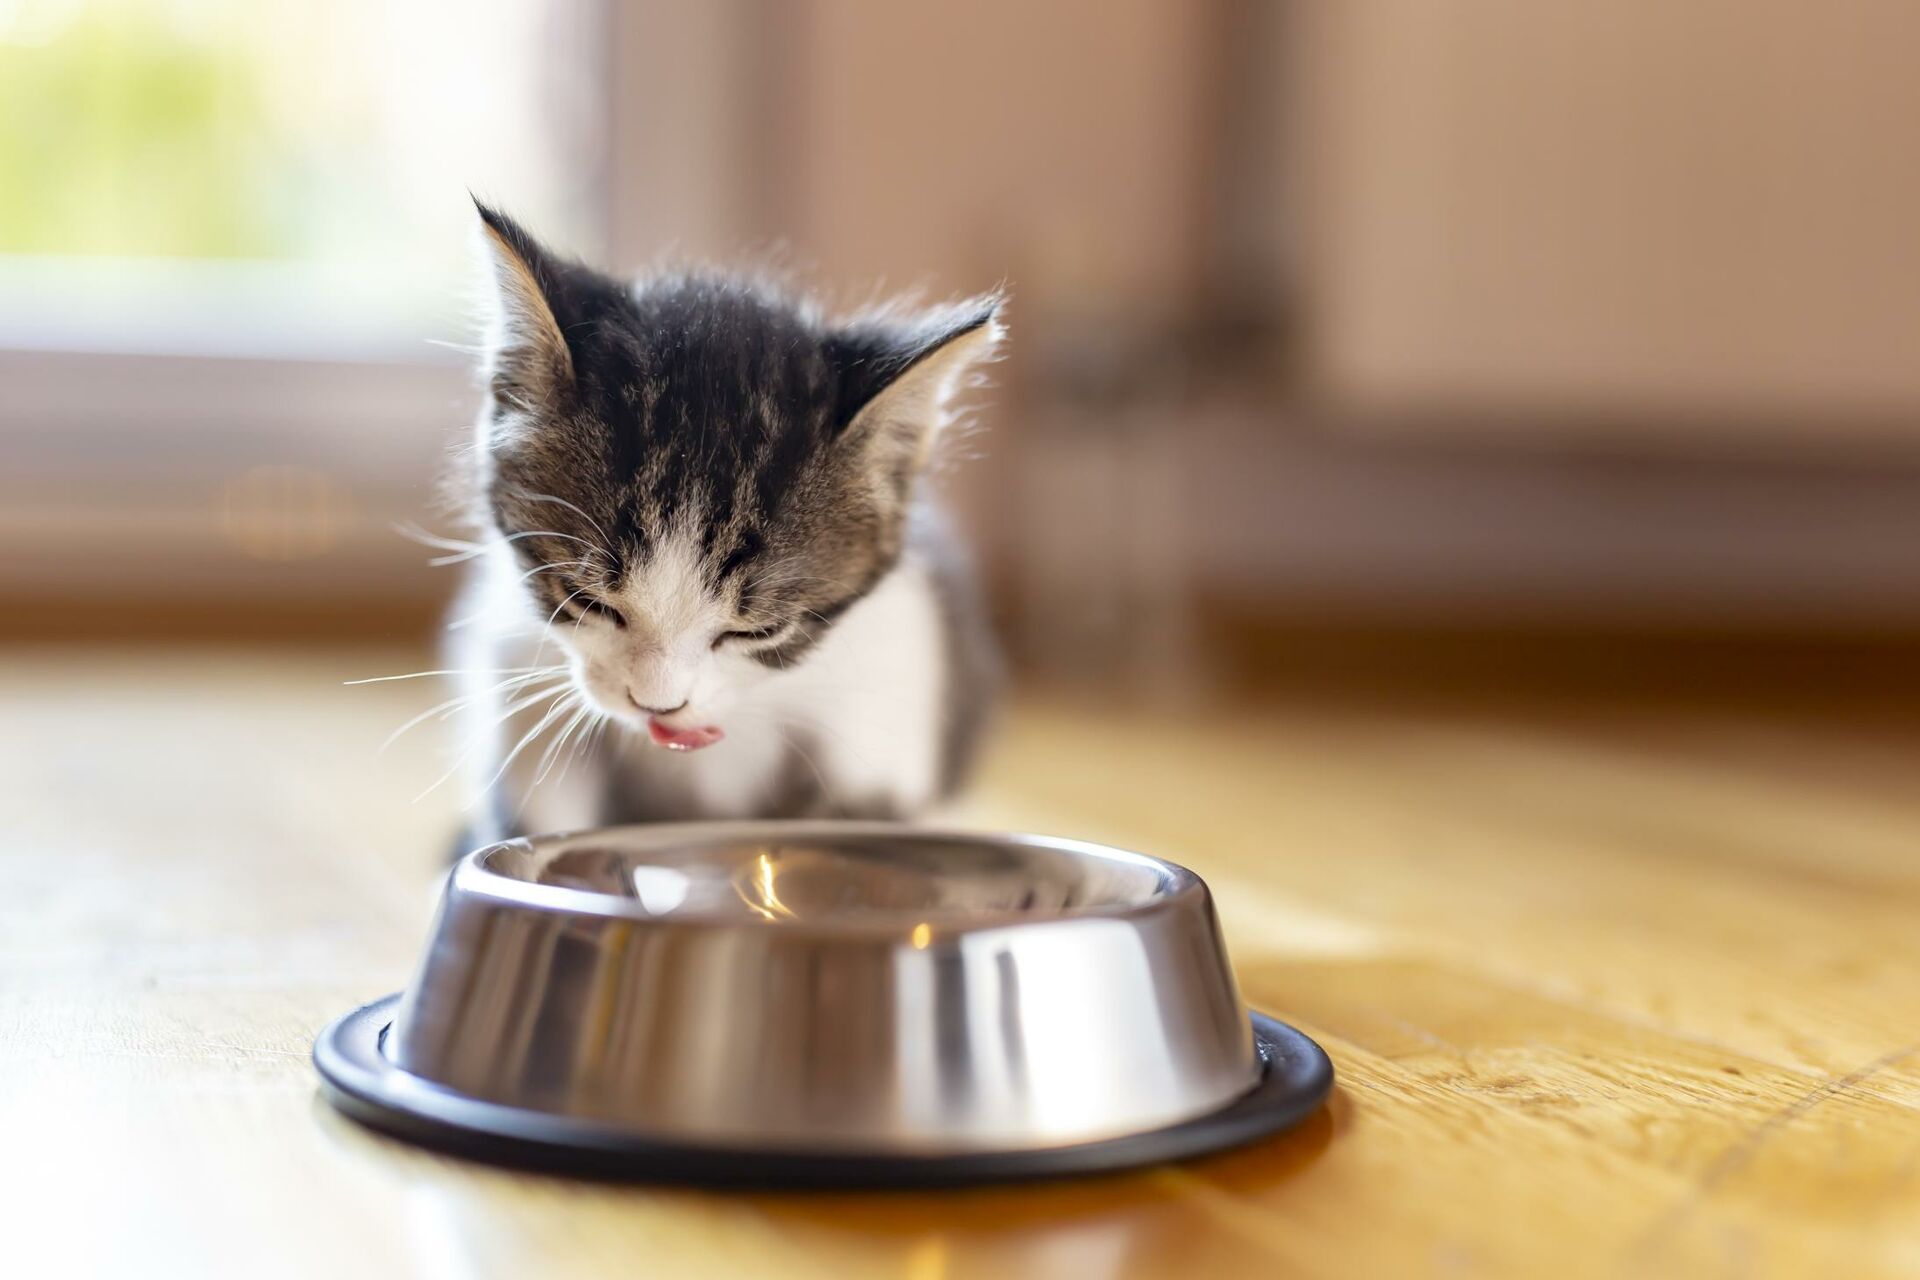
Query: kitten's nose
(656, 711)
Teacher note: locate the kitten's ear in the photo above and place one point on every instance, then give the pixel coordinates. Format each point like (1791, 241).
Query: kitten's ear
(527, 361)
(897, 379)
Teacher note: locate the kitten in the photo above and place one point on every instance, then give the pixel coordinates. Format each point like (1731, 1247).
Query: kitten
(713, 585)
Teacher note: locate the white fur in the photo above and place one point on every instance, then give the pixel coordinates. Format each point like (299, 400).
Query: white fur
(864, 706)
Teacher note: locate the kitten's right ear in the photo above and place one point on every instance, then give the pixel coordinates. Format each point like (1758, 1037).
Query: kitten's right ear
(528, 365)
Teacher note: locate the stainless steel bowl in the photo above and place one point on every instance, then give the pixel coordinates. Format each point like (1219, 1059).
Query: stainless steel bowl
(840, 989)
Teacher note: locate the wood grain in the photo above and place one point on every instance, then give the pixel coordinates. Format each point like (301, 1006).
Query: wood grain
(1610, 992)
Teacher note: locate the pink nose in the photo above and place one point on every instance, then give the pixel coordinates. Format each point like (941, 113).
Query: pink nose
(655, 711)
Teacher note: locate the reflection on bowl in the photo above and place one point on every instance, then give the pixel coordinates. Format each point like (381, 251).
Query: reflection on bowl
(855, 880)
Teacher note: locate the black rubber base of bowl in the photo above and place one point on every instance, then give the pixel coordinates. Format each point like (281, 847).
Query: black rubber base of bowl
(362, 1083)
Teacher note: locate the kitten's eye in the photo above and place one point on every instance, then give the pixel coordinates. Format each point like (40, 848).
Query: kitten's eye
(593, 608)
(748, 637)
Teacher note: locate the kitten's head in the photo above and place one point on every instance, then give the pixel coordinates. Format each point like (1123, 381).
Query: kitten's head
(696, 475)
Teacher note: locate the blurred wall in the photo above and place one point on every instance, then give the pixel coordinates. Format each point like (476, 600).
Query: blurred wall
(1464, 311)
(1468, 312)
(1059, 145)
(1645, 219)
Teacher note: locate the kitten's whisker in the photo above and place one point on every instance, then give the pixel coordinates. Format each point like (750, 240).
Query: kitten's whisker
(524, 700)
(792, 720)
(589, 727)
(461, 671)
(546, 628)
(548, 497)
(553, 748)
(507, 713)
(595, 728)
(451, 705)
(482, 738)
(779, 577)
(545, 761)
(793, 744)
(576, 732)
(838, 586)
(552, 714)
(568, 706)
(475, 550)
(426, 538)
(549, 568)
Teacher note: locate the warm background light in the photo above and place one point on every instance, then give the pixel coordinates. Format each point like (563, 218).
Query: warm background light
(1455, 483)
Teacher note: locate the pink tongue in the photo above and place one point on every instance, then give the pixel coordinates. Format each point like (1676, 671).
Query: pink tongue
(684, 739)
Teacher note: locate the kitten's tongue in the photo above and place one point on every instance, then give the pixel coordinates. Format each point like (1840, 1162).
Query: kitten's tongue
(693, 739)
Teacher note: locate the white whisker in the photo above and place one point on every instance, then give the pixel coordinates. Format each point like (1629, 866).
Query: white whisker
(793, 745)
(476, 550)
(581, 711)
(447, 708)
(526, 739)
(595, 731)
(557, 564)
(426, 538)
(460, 671)
(546, 628)
(548, 497)
(481, 739)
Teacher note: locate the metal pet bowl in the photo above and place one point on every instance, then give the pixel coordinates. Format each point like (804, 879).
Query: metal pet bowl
(821, 1004)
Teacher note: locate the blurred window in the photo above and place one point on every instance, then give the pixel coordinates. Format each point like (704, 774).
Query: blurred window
(235, 178)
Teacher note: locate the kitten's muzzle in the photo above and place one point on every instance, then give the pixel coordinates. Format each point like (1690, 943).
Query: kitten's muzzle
(676, 737)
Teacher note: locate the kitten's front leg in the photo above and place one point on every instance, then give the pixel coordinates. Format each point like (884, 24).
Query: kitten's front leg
(478, 741)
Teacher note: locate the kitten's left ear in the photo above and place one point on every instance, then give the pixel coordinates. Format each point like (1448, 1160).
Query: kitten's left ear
(527, 355)
(897, 380)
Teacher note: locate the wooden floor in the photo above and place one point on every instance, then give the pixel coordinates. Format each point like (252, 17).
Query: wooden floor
(1610, 991)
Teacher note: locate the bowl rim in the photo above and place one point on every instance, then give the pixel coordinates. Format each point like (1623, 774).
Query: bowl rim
(359, 1078)
(472, 877)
